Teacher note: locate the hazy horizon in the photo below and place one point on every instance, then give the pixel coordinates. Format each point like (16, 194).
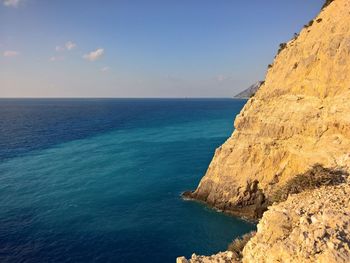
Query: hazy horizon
(139, 49)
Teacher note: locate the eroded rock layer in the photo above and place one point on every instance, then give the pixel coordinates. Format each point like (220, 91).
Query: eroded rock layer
(312, 226)
(299, 118)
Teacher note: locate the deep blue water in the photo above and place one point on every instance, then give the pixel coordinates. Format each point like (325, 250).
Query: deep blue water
(100, 180)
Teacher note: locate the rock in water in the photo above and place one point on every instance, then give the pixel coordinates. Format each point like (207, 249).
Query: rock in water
(299, 118)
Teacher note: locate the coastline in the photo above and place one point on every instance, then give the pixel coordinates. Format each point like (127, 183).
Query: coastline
(245, 213)
(287, 161)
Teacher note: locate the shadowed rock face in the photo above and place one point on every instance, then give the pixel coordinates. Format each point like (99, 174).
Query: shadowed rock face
(251, 204)
(312, 226)
(300, 117)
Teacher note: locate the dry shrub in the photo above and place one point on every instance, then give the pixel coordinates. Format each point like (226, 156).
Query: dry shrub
(237, 245)
(327, 3)
(314, 178)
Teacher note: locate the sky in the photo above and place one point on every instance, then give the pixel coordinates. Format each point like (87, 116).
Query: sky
(142, 48)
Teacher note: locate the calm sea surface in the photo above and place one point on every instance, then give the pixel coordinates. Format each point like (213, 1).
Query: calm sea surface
(100, 180)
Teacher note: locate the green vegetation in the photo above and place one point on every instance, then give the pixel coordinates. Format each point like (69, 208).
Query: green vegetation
(296, 35)
(314, 178)
(237, 245)
(327, 3)
(309, 24)
(282, 46)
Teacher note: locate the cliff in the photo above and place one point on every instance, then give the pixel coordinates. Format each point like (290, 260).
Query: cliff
(297, 119)
(249, 92)
(312, 226)
(289, 153)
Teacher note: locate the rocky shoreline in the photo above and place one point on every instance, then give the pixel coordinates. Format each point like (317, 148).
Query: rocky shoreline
(288, 160)
(250, 208)
(312, 226)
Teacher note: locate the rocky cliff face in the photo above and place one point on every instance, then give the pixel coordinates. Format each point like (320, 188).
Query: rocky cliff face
(290, 152)
(300, 117)
(312, 226)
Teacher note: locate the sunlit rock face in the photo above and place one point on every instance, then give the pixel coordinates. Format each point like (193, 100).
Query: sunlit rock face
(312, 226)
(300, 117)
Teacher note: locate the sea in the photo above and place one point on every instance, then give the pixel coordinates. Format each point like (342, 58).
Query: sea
(100, 180)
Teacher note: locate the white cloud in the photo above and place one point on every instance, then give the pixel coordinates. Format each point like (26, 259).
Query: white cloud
(56, 58)
(12, 3)
(70, 45)
(105, 69)
(10, 53)
(94, 55)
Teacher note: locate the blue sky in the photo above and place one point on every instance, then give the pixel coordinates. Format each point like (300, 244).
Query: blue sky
(142, 48)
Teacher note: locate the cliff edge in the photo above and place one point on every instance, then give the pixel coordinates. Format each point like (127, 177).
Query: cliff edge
(299, 118)
(288, 160)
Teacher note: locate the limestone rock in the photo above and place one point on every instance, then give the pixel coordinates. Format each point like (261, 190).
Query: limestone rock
(300, 117)
(292, 141)
(313, 226)
(222, 257)
(181, 260)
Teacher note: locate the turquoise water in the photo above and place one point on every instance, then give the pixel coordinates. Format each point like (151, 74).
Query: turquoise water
(100, 180)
